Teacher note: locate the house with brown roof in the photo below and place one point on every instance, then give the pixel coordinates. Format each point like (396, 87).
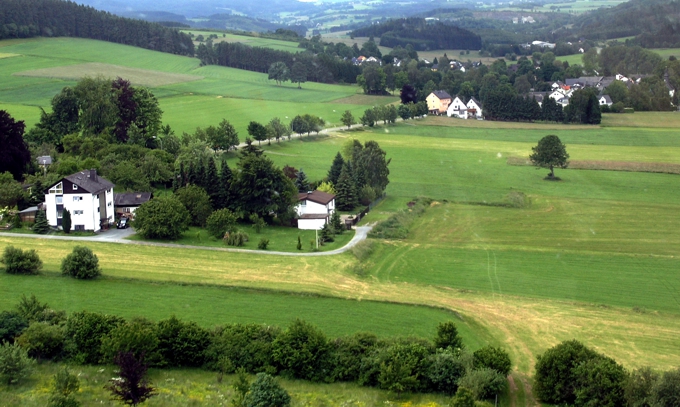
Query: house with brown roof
(314, 209)
(127, 203)
(87, 196)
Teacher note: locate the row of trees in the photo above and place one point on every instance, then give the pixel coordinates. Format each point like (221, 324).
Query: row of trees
(56, 18)
(300, 351)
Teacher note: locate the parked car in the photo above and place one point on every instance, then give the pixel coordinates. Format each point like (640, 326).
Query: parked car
(123, 223)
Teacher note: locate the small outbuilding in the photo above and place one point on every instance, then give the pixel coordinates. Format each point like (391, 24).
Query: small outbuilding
(314, 209)
(127, 203)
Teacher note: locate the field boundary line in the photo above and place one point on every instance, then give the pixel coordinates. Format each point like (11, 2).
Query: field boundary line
(361, 233)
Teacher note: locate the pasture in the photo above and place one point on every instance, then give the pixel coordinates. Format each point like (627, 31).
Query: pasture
(190, 95)
(288, 46)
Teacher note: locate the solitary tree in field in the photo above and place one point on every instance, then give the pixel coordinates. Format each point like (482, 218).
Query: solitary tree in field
(298, 74)
(279, 72)
(348, 119)
(550, 153)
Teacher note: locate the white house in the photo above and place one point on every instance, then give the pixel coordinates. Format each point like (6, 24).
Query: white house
(457, 108)
(314, 209)
(87, 196)
(474, 108)
(556, 95)
(126, 204)
(605, 100)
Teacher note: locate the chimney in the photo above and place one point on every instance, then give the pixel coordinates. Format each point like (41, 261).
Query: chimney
(93, 175)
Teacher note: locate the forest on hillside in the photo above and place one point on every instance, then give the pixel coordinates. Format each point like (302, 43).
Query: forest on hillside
(57, 18)
(421, 34)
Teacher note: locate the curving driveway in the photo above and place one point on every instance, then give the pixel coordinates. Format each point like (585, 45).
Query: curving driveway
(119, 235)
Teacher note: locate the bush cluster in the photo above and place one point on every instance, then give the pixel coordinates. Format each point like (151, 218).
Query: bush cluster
(302, 351)
(17, 261)
(397, 225)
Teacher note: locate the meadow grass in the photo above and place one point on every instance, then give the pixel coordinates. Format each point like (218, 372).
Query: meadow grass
(282, 239)
(281, 45)
(211, 94)
(194, 387)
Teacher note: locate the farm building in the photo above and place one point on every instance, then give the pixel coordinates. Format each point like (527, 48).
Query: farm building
(127, 203)
(314, 209)
(86, 195)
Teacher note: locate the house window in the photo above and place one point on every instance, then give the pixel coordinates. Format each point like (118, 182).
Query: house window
(303, 203)
(108, 204)
(57, 189)
(60, 199)
(77, 198)
(77, 212)
(97, 209)
(75, 187)
(79, 227)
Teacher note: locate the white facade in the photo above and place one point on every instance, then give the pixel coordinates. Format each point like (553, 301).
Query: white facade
(471, 104)
(314, 209)
(605, 100)
(457, 108)
(87, 209)
(307, 207)
(556, 95)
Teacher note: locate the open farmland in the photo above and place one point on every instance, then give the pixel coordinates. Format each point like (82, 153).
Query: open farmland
(280, 45)
(190, 95)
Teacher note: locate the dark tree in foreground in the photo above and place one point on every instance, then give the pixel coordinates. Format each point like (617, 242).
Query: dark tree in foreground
(14, 154)
(41, 226)
(550, 153)
(408, 94)
(131, 387)
(66, 221)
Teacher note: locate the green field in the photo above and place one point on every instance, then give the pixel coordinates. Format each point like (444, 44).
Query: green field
(189, 95)
(280, 45)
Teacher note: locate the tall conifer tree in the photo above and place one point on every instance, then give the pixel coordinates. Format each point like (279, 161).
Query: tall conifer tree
(336, 168)
(225, 197)
(345, 189)
(211, 182)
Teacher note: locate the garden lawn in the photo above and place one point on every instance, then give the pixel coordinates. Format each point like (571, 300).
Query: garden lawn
(281, 239)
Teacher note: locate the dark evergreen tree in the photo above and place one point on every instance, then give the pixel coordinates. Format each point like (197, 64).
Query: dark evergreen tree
(336, 223)
(212, 182)
(251, 149)
(301, 182)
(41, 226)
(66, 221)
(327, 233)
(131, 386)
(346, 196)
(225, 199)
(336, 169)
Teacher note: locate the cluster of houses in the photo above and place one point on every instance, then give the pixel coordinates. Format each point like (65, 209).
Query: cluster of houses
(93, 205)
(440, 102)
(362, 59)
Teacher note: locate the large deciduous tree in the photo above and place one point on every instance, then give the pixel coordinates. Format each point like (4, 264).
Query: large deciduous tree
(257, 131)
(164, 217)
(348, 119)
(14, 154)
(197, 201)
(278, 71)
(550, 153)
(298, 74)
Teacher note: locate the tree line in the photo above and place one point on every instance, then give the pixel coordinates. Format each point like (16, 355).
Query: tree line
(322, 67)
(441, 364)
(421, 34)
(57, 18)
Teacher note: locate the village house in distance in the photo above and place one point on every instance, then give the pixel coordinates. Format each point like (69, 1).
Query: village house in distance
(314, 209)
(86, 195)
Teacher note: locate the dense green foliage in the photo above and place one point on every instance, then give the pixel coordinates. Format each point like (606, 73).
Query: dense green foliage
(64, 385)
(12, 324)
(81, 264)
(421, 35)
(550, 153)
(54, 18)
(266, 392)
(14, 155)
(17, 261)
(15, 365)
(162, 218)
(220, 222)
(197, 202)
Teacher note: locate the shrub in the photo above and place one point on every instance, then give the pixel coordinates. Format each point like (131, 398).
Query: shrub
(63, 386)
(493, 358)
(347, 354)
(517, 199)
(35, 311)
(163, 217)
(258, 223)
(85, 331)
(639, 387)
(266, 392)
(182, 343)
(299, 243)
(220, 222)
(397, 225)
(600, 381)
(363, 249)
(241, 387)
(17, 261)
(555, 381)
(401, 365)
(197, 202)
(666, 392)
(444, 370)
(139, 336)
(302, 351)
(447, 336)
(238, 238)
(262, 245)
(42, 341)
(12, 324)
(15, 365)
(484, 383)
(246, 345)
(81, 264)
(464, 397)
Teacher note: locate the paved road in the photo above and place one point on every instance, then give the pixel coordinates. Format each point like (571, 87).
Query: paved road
(118, 236)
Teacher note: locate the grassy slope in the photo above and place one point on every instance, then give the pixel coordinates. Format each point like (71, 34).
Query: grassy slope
(239, 96)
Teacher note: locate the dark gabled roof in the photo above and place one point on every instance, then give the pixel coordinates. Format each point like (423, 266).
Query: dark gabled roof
(319, 197)
(442, 94)
(89, 181)
(607, 99)
(131, 198)
(474, 100)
